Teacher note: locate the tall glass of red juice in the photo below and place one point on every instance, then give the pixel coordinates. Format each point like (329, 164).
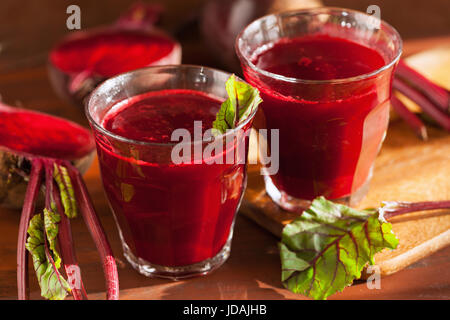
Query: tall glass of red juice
(174, 201)
(324, 76)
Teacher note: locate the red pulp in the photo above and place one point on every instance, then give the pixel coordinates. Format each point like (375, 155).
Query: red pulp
(329, 133)
(169, 214)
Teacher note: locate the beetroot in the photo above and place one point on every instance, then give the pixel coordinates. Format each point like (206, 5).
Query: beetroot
(25, 134)
(85, 58)
(42, 150)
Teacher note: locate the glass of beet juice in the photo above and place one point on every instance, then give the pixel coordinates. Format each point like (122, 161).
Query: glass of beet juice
(175, 218)
(325, 79)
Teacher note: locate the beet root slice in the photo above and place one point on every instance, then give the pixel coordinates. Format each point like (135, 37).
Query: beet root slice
(68, 255)
(25, 135)
(38, 150)
(83, 59)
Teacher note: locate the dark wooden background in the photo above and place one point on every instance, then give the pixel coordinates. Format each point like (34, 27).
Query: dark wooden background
(28, 28)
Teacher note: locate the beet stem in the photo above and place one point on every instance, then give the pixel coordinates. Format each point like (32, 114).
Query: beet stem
(33, 188)
(399, 208)
(97, 233)
(77, 81)
(410, 118)
(68, 255)
(141, 15)
(434, 112)
(438, 95)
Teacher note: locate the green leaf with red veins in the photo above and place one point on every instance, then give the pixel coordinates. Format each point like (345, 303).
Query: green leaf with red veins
(62, 178)
(325, 249)
(46, 260)
(242, 100)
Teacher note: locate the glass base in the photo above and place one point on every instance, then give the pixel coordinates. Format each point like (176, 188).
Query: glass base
(293, 204)
(182, 272)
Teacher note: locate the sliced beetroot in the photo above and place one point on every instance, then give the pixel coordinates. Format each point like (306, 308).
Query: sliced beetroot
(109, 52)
(26, 134)
(34, 133)
(85, 58)
(42, 150)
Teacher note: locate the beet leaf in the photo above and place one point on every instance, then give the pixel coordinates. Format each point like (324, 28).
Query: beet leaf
(327, 247)
(46, 260)
(242, 100)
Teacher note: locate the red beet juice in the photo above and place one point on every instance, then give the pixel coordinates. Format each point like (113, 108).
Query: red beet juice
(169, 214)
(330, 131)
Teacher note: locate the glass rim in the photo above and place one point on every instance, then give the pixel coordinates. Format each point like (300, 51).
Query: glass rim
(152, 70)
(315, 11)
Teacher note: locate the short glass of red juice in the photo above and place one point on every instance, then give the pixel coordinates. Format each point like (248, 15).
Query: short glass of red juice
(175, 216)
(324, 76)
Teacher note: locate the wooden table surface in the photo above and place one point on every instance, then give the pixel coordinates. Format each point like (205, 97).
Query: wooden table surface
(253, 269)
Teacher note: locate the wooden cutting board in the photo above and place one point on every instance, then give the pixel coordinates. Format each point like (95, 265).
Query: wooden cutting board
(407, 169)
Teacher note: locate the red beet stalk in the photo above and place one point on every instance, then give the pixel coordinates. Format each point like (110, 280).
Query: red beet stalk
(49, 188)
(435, 93)
(67, 249)
(410, 118)
(427, 106)
(64, 235)
(98, 234)
(392, 209)
(33, 188)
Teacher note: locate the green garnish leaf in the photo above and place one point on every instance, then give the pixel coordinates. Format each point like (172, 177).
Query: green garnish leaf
(51, 220)
(46, 260)
(242, 100)
(62, 178)
(327, 247)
